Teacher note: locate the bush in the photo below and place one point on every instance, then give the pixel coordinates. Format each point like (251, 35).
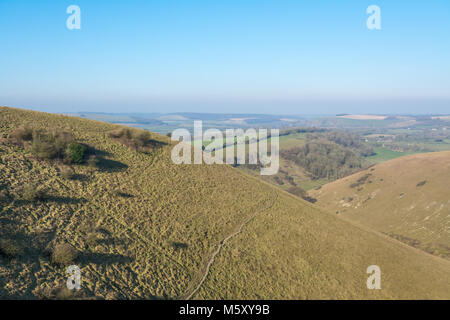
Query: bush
(75, 153)
(93, 161)
(33, 192)
(67, 173)
(4, 196)
(64, 254)
(92, 239)
(60, 142)
(143, 138)
(299, 192)
(43, 149)
(421, 183)
(122, 194)
(135, 140)
(10, 248)
(59, 293)
(22, 134)
(49, 146)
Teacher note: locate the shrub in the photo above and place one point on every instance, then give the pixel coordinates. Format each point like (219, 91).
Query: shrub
(65, 294)
(299, 192)
(4, 195)
(33, 192)
(43, 149)
(10, 248)
(143, 138)
(421, 183)
(135, 140)
(60, 142)
(122, 194)
(49, 145)
(68, 173)
(116, 134)
(92, 239)
(93, 161)
(75, 153)
(64, 254)
(59, 293)
(21, 134)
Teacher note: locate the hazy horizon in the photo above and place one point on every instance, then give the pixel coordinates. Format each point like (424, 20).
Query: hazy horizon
(266, 57)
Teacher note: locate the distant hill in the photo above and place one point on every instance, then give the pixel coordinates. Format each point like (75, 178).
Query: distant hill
(140, 227)
(407, 198)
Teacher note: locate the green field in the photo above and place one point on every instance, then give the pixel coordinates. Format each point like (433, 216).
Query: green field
(384, 154)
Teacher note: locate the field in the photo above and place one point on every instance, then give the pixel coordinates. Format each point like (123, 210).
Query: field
(384, 154)
(145, 228)
(363, 117)
(406, 198)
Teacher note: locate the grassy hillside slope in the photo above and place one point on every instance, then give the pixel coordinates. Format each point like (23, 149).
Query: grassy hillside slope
(146, 228)
(407, 198)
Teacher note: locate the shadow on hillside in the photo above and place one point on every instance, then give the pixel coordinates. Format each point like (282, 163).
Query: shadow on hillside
(80, 177)
(65, 200)
(55, 199)
(103, 164)
(151, 146)
(91, 151)
(107, 165)
(156, 143)
(123, 194)
(105, 258)
(179, 245)
(111, 242)
(158, 298)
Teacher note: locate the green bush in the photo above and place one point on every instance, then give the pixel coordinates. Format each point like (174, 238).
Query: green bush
(50, 145)
(47, 145)
(75, 153)
(64, 254)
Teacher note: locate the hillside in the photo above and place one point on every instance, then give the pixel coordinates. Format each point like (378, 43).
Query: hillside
(311, 157)
(406, 198)
(145, 228)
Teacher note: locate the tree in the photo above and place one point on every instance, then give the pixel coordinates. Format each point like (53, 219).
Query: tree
(75, 153)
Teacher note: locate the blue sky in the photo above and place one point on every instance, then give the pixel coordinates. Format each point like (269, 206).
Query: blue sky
(246, 56)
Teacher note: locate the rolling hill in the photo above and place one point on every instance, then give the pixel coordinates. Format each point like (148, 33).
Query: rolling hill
(145, 228)
(407, 198)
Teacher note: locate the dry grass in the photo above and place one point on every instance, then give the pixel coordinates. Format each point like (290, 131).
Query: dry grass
(146, 228)
(406, 198)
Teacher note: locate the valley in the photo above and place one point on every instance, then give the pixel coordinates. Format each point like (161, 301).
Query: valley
(141, 227)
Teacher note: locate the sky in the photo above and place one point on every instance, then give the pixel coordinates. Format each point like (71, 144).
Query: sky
(226, 56)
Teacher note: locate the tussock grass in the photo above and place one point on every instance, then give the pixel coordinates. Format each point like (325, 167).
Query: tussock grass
(64, 254)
